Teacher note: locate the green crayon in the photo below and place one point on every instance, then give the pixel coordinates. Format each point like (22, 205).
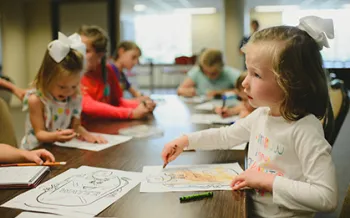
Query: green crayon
(196, 197)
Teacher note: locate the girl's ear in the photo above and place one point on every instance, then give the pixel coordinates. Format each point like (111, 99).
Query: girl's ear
(121, 51)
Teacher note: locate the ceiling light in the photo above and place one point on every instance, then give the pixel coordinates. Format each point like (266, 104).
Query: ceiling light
(195, 10)
(140, 7)
(275, 8)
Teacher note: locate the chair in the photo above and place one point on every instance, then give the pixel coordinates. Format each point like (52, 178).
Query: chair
(345, 211)
(340, 104)
(7, 132)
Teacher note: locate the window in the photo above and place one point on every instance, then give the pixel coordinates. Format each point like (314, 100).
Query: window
(163, 37)
(338, 55)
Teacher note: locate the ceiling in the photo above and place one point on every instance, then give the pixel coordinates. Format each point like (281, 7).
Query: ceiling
(164, 6)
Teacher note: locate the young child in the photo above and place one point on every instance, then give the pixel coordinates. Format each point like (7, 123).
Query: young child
(55, 104)
(210, 78)
(102, 95)
(10, 154)
(126, 57)
(289, 159)
(244, 108)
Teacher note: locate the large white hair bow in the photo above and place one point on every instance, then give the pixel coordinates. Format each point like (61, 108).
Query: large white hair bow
(318, 28)
(59, 48)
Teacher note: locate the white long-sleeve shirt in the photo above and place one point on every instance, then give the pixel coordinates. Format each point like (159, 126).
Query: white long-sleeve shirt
(296, 152)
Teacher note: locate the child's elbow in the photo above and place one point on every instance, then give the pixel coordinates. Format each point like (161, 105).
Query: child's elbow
(330, 203)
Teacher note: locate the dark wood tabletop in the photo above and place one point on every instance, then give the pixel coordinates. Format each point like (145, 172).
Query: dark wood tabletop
(172, 116)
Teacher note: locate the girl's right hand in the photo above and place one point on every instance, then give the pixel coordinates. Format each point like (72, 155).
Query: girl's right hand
(65, 135)
(224, 112)
(140, 111)
(173, 149)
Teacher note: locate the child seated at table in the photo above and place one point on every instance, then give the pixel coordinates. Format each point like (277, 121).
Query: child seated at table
(243, 109)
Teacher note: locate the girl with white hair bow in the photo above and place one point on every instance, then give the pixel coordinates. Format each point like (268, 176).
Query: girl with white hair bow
(289, 161)
(55, 104)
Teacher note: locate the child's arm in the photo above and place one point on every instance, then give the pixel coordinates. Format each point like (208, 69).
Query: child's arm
(134, 92)
(84, 134)
(13, 88)
(36, 115)
(10, 154)
(319, 191)
(187, 88)
(218, 138)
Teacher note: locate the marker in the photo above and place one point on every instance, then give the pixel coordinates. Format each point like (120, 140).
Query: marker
(196, 197)
(218, 123)
(33, 164)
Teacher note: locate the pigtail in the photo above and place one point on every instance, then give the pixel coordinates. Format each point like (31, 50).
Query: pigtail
(106, 90)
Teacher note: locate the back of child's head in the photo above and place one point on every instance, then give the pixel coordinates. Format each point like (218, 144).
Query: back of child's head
(211, 57)
(97, 35)
(297, 65)
(239, 81)
(126, 46)
(63, 58)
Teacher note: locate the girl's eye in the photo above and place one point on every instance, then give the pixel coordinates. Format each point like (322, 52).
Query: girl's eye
(61, 87)
(74, 87)
(257, 75)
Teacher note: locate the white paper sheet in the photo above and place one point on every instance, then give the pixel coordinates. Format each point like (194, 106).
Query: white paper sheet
(21, 175)
(112, 140)
(195, 99)
(189, 178)
(44, 215)
(212, 119)
(85, 191)
(141, 131)
(210, 106)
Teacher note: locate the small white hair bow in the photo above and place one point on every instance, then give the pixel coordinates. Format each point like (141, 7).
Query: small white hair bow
(59, 48)
(318, 28)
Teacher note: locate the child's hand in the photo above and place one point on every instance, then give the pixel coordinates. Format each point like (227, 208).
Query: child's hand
(38, 156)
(189, 92)
(173, 149)
(224, 112)
(140, 111)
(149, 104)
(93, 138)
(65, 135)
(253, 179)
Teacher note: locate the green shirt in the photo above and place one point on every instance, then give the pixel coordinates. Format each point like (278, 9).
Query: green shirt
(226, 80)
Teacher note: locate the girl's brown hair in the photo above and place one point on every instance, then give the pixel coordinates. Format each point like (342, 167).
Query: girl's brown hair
(97, 35)
(297, 65)
(211, 57)
(239, 81)
(126, 45)
(50, 71)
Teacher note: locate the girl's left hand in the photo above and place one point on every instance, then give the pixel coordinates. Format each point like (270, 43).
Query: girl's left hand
(253, 179)
(93, 138)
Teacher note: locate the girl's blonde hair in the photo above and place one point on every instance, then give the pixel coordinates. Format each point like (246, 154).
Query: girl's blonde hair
(211, 57)
(97, 35)
(297, 65)
(50, 71)
(126, 45)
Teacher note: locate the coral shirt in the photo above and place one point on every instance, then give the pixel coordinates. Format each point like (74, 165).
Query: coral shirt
(96, 105)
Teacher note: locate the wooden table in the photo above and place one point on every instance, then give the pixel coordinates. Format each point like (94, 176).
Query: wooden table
(174, 118)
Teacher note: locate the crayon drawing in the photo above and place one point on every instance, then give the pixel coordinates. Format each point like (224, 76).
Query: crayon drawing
(189, 178)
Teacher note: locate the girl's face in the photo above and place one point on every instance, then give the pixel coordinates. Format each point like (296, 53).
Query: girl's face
(260, 85)
(93, 59)
(64, 87)
(128, 58)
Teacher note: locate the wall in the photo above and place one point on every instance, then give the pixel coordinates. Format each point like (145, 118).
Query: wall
(13, 41)
(38, 35)
(267, 19)
(207, 32)
(90, 13)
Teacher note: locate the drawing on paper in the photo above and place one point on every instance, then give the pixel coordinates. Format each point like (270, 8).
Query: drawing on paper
(216, 177)
(83, 189)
